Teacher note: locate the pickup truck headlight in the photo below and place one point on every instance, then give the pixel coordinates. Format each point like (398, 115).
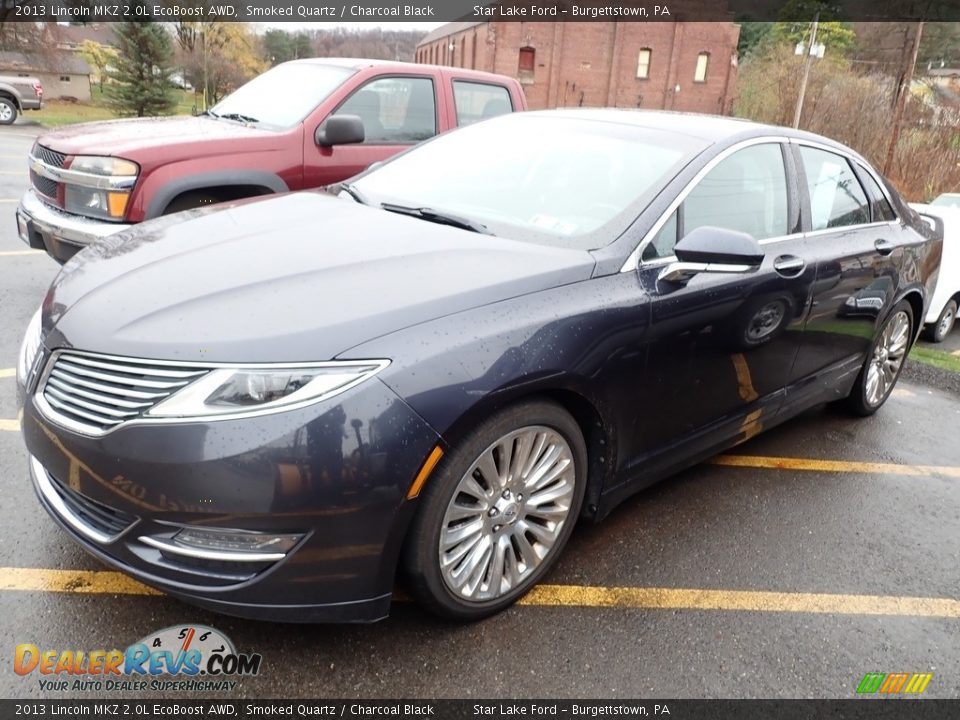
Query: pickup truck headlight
(227, 392)
(29, 348)
(94, 200)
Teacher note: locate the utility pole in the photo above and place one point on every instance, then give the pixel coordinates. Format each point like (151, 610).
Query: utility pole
(900, 100)
(806, 71)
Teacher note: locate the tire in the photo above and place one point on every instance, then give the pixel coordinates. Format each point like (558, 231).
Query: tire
(937, 332)
(8, 111)
(884, 363)
(190, 201)
(460, 579)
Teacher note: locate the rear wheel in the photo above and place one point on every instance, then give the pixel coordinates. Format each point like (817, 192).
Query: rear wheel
(497, 512)
(938, 331)
(8, 111)
(884, 362)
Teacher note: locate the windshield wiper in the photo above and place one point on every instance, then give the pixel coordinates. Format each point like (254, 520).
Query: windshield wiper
(238, 117)
(438, 217)
(352, 191)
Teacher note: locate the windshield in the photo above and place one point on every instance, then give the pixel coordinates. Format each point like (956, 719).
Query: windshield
(947, 201)
(557, 180)
(283, 96)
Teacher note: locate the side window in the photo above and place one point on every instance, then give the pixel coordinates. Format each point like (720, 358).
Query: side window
(880, 206)
(746, 192)
(479, 101)
(394, 110)
(836, 198)
(662, 244)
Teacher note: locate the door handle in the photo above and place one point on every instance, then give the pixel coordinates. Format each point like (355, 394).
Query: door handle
(883, 246)
(789, 265)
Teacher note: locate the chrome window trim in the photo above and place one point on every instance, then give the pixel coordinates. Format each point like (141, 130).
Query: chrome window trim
(83, 179)
(633, 260)
(45, 485)
(51, 414)
(853, 159)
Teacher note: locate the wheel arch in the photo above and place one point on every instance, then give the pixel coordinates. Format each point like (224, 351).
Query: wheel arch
(915, 298)
(596, 431)
(12, 97)
(225, 183)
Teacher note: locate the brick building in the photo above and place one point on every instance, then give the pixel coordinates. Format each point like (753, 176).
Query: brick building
(684, 66)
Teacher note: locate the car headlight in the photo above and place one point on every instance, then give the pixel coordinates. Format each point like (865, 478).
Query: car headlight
(110, 166)
(92, 199)
(32, 339)
(231, 391)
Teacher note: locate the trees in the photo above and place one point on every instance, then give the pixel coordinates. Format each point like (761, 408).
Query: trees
(101, 57)
(218, 56)
(141, 77)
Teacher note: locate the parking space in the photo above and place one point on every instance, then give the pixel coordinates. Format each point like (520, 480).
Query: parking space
(819, 551)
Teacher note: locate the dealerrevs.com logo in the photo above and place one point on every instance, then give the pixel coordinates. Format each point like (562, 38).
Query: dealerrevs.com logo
(177, 658)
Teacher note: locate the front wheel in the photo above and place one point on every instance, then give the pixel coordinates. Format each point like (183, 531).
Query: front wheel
(497, 512)
(884, 362)
(938, 331)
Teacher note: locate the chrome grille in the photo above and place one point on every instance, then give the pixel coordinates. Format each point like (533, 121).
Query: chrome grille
(48, 156)
(100, 517)
(44, 186)
(99, 392)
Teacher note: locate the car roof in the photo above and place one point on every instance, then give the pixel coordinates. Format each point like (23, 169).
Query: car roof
(711, 128)
(399, 66)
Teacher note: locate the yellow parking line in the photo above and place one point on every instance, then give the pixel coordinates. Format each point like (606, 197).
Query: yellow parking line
(9, 425)
(7, 372)
(114, 583)
(73, 581)
(956, 352)
(740, 600)
(13, 253)
(13, 172)
(780, 463)
(10, 200)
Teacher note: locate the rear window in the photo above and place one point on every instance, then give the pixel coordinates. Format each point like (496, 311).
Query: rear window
(478, 101)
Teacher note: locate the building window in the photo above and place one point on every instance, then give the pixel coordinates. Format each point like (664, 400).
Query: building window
(643, 64)
(700, 74)
(64, 78)
(526, 64)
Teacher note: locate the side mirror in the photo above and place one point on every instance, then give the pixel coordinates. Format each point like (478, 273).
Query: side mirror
(340, 130)
(714, 250)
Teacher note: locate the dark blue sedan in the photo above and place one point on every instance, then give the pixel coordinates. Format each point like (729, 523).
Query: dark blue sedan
(276, 408)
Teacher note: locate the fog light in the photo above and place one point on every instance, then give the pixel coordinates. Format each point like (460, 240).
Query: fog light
(226, 545)
(22, 228)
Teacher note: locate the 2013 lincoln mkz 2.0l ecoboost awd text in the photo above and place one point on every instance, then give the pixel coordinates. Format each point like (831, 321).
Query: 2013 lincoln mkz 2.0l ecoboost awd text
(275, 408)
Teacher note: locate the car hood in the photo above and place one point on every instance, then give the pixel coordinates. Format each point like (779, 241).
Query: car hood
(297, 277)
(139, 139)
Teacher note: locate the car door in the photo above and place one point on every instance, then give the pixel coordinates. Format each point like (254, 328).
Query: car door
(721, 345)
(397, 111)
(855, 246)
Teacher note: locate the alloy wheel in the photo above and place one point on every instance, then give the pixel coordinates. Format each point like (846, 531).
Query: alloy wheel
(507, 513)
(946, 323)
(5, 112)
(889, 352)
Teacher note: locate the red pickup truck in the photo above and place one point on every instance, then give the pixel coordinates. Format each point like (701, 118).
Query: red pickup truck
(303, 124)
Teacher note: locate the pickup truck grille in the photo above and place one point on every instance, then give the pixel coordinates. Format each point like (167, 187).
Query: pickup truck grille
(99, 392)
(48, 156)
(44, 186)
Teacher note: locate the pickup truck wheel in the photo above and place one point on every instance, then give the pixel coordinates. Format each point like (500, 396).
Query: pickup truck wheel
(937, 332)
(8, 111)
(190, 201)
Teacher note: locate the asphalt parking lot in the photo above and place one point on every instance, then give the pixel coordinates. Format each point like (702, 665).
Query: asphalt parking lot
(807, 557)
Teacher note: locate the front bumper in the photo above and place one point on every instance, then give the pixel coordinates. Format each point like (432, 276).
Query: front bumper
(337, 473)
(61, 234)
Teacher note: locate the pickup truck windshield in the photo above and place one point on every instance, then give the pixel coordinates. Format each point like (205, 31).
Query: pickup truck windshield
(283, 96)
